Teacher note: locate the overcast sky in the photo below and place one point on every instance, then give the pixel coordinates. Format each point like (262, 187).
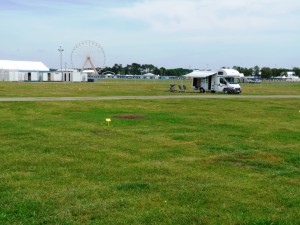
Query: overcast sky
(167, 33)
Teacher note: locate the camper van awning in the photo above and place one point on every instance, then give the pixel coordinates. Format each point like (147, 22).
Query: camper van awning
(200, 74)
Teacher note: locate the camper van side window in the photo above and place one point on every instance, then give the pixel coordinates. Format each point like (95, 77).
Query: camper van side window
(220, 73)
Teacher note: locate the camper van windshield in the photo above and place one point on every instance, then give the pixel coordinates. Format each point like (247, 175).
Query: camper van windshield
(232, 80)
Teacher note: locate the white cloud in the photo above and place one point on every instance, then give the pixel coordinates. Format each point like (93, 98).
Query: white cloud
(178, 15)
(164, 32)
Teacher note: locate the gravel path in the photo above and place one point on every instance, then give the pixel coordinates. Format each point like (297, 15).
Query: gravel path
(31, 99)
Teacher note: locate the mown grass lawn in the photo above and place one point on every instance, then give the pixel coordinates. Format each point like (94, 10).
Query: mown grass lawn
(183, 161)
(119, 87)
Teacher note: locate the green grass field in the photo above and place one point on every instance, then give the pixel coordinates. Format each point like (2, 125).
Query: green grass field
(113, 87)
(180, 161)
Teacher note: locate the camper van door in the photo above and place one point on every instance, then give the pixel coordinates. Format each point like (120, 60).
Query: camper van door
(221, 84)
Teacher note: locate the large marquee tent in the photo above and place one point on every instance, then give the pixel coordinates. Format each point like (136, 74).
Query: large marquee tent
(22, 70)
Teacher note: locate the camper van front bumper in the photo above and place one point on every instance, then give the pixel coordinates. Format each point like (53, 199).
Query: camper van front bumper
(234, 90)
(237, 90)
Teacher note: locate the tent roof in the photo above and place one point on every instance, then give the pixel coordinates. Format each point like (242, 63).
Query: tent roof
(149, 74)
(88, 71)
(200, 74)
(23, 65)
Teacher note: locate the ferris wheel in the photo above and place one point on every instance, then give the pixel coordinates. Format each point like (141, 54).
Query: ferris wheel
(88, 55)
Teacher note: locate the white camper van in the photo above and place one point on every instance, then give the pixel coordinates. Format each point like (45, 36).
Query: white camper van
(223, 80)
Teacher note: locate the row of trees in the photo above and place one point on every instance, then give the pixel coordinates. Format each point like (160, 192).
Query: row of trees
(265, 72)
(139, 69)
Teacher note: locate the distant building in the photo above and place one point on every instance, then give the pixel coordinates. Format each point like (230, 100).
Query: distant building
(289, 76)
(150, 76)
(37, 71)
(23, 71)
(69, 75)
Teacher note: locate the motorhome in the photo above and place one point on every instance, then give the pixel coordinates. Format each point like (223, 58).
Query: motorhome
(223, 80)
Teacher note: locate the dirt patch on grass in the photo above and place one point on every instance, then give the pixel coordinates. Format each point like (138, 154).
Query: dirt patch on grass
(129, 116)
(242, 164)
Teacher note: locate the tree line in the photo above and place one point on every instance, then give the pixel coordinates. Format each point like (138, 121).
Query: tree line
(265, 72)
(140, 69)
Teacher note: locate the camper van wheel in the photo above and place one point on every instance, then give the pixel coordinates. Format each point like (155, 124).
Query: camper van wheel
(202, 90)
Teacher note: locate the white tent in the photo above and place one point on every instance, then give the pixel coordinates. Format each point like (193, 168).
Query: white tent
(150, 76)
(22, 70)
(23, 66)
